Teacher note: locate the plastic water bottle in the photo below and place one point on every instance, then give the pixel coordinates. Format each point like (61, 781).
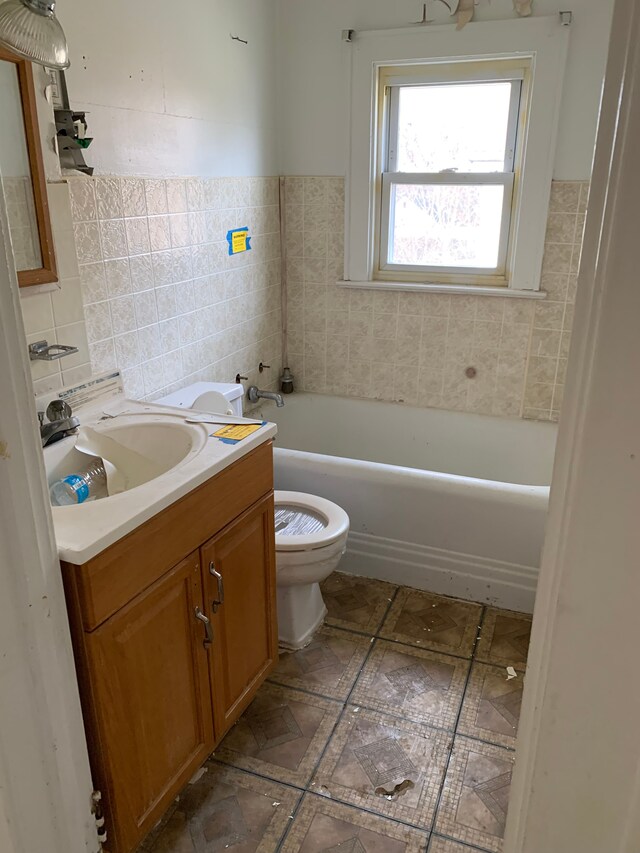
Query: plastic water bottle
(89, 483)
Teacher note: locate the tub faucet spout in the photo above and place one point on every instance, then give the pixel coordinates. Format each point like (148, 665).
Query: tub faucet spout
(254, 394)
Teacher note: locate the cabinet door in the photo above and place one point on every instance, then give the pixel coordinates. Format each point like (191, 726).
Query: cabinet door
(240, 586)
(149, 672)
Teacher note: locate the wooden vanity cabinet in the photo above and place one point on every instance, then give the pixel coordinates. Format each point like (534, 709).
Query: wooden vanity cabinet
(159, 686)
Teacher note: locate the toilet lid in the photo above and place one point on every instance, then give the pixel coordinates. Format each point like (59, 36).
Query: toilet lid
(304, 522)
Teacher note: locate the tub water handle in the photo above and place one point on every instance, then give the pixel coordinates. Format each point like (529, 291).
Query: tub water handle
(220, 599)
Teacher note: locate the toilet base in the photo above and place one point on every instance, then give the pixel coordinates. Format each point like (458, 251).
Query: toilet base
(301, 611)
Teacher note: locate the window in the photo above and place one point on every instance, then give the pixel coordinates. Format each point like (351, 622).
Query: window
(452, 145)
(447, 169)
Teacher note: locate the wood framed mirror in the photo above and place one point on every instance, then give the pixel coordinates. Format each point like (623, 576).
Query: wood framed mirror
(23, 175)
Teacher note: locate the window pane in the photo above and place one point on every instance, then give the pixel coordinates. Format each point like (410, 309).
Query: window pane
(445, 225)
(462, 127)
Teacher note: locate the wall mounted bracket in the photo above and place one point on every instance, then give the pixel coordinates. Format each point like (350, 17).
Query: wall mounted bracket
(43, 351)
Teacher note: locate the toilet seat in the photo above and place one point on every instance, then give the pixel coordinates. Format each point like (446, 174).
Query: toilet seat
(328, 522)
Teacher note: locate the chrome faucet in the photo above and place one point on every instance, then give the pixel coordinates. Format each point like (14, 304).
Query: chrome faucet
(254, 394)
(61, 422)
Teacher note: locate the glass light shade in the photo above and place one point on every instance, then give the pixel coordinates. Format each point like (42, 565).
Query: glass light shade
(30, 29)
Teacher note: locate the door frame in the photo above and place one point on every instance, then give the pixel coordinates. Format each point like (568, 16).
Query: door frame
(45, 781)
(577, 777)
(576, 782)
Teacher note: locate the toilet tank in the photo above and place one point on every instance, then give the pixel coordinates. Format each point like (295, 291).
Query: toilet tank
(204, 397)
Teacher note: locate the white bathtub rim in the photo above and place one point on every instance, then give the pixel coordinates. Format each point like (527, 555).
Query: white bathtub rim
(478, 446)
(453, 482)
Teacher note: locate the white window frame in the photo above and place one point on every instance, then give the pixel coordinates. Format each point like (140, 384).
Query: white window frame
(426, 74)
(537, 44)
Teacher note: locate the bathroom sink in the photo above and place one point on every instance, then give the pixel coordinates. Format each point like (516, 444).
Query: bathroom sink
(142, 448)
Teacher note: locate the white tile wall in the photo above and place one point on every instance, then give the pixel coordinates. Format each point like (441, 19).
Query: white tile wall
(23, 225)
(416, 347)
(163, 301)
(57, 315)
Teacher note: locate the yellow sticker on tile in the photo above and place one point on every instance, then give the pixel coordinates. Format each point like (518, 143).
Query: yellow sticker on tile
(236, 432)
(239, 240)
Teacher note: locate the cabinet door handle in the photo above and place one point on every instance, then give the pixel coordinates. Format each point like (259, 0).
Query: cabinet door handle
(208, 640)
(220, 599)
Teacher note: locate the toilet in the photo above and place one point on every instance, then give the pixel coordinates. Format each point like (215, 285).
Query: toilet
(311, 532)
(311, 537)
(217, 397)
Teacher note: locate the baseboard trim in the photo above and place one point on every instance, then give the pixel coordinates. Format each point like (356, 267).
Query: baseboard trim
(482, 579)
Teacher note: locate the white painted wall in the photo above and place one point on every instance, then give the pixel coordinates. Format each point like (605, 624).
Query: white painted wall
(167, 90)
(312, 75)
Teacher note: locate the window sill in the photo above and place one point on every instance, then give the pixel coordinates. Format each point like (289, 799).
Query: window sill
(461, 289)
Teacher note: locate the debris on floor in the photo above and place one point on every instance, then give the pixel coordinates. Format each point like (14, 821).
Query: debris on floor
(511, 673)
(197, 775)
(397, 791)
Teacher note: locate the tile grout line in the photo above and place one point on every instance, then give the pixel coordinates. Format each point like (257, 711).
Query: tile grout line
(425, 648)
(470, 847)
(510, 749)
(294, 811)
(382, 817)
(304, 791)
(379, 636)
(389, 713)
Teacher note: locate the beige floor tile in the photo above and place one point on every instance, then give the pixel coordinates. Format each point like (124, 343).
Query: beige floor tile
(370, 754)
(228, 810)
(281, 735)
(323, 826)
(412, 683)
(430, 621)
(358, 604)
(504, 638)
(329, 665)
(475, 797)
(491, 707)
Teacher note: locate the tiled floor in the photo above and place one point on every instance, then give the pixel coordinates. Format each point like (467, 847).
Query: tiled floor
(393, 732)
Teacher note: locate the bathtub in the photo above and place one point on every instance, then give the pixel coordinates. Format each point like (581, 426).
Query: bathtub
(450, 502)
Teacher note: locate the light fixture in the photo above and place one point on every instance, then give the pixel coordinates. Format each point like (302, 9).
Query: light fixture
(31, 29)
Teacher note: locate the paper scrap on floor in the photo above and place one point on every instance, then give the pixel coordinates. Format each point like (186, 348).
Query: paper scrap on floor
(234, 433)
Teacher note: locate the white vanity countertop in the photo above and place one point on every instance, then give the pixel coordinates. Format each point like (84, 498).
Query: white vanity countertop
(83, 531)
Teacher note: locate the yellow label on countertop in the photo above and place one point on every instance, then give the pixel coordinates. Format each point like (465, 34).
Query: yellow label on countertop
(236, 432)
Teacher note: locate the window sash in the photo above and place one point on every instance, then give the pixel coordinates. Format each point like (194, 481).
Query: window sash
(460, 70)
(393, 113)
(390, 176)
(389, 179)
